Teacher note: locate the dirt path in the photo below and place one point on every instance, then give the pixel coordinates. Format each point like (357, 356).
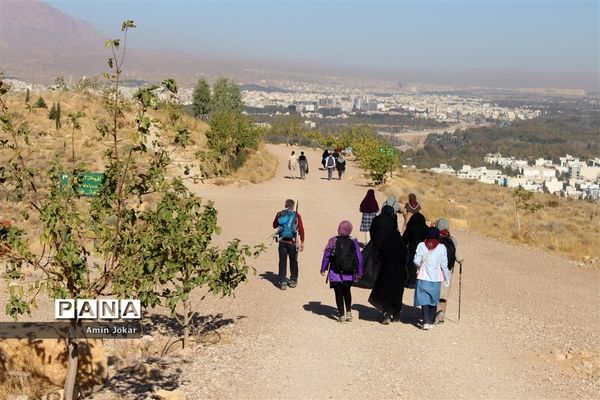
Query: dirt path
(522, 311)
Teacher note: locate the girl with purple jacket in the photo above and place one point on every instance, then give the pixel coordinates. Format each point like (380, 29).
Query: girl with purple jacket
(343, 264)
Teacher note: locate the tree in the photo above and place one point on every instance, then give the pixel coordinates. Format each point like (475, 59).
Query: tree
(201, 99)
(40, 103)
(119, 255)
(524, 201)
(177, 249)
(289, 126)
(27, 96)
(54, 115)
(57, 122)
(230, 135)
(376, 156)
(73, 122)
(226, 97)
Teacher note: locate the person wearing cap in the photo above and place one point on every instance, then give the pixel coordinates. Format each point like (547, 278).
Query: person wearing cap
(341, 282)
(432, 261)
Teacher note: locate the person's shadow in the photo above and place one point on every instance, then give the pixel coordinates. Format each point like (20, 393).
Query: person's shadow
(271, 277)
(408, 315)
(316, 307)
(367, 313)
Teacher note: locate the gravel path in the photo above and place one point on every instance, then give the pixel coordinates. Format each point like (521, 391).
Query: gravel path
(529, 326)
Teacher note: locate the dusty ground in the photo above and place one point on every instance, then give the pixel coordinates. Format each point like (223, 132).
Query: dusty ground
(529, 320)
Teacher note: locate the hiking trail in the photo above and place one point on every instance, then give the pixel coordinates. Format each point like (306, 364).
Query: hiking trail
(523, 312)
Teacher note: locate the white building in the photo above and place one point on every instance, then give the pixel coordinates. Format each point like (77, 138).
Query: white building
(444, 169)
(554, 186)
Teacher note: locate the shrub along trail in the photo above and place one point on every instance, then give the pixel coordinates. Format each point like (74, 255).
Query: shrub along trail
(529, 325)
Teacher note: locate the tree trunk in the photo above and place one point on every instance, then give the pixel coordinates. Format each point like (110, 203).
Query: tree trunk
(73, 357)
(186, 323)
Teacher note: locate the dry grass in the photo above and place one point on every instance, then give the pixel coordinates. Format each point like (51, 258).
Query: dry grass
(260, 166)
(566, 226)
(49, 143)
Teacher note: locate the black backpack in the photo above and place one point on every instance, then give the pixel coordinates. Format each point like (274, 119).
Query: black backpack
(450, 249)
(343, 259)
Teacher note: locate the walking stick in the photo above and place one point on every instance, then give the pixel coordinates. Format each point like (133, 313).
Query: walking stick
(460, 263)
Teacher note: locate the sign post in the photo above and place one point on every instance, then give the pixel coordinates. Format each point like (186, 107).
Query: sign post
(89, 185)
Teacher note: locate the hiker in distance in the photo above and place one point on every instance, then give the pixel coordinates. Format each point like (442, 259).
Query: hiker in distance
(289, 226)
(324, 158)
(432, 260)
(330, 165)
(303, 162)
(343, 264)
(293, 165)
(340, 165)
(369, 209)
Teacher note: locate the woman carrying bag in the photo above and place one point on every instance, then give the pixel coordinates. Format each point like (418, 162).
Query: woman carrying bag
(432, 261)
(343, 264)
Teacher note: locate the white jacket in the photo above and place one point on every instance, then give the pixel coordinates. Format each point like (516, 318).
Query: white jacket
(432, 264)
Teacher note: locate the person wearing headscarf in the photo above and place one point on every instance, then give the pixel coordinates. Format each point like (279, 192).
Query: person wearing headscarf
(369, 209)
(450, 242)
(388, 290)
(340, 165)
(415, 233)
(410, 208)
(324, 157)
(383, 224)
(392, 202)
(342, 282)
(432, 261)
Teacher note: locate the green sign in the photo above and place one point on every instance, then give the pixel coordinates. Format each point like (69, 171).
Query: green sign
(390, 150)
(89, 182)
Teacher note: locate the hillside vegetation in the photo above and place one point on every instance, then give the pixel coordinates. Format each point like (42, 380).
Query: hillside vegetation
(548, 137)
(51, 142)
(565, 226)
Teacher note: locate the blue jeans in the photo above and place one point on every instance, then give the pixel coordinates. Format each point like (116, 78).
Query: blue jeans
(288, 250)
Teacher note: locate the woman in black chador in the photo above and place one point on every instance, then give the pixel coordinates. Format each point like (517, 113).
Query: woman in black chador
(387, 293)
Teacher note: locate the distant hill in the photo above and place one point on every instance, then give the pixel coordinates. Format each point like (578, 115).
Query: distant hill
(39, 43)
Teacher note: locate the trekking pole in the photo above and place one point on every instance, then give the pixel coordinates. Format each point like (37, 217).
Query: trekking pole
(460, 264)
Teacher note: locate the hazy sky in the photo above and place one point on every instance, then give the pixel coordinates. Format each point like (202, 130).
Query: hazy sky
(547, 37)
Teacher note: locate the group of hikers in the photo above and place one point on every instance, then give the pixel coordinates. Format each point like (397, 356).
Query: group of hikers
(399, 255)
(331, 161)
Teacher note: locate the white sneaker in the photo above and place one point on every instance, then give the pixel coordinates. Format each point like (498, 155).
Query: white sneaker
(426, 327)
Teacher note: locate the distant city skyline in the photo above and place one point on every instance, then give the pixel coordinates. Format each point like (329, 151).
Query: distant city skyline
(490, 42)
